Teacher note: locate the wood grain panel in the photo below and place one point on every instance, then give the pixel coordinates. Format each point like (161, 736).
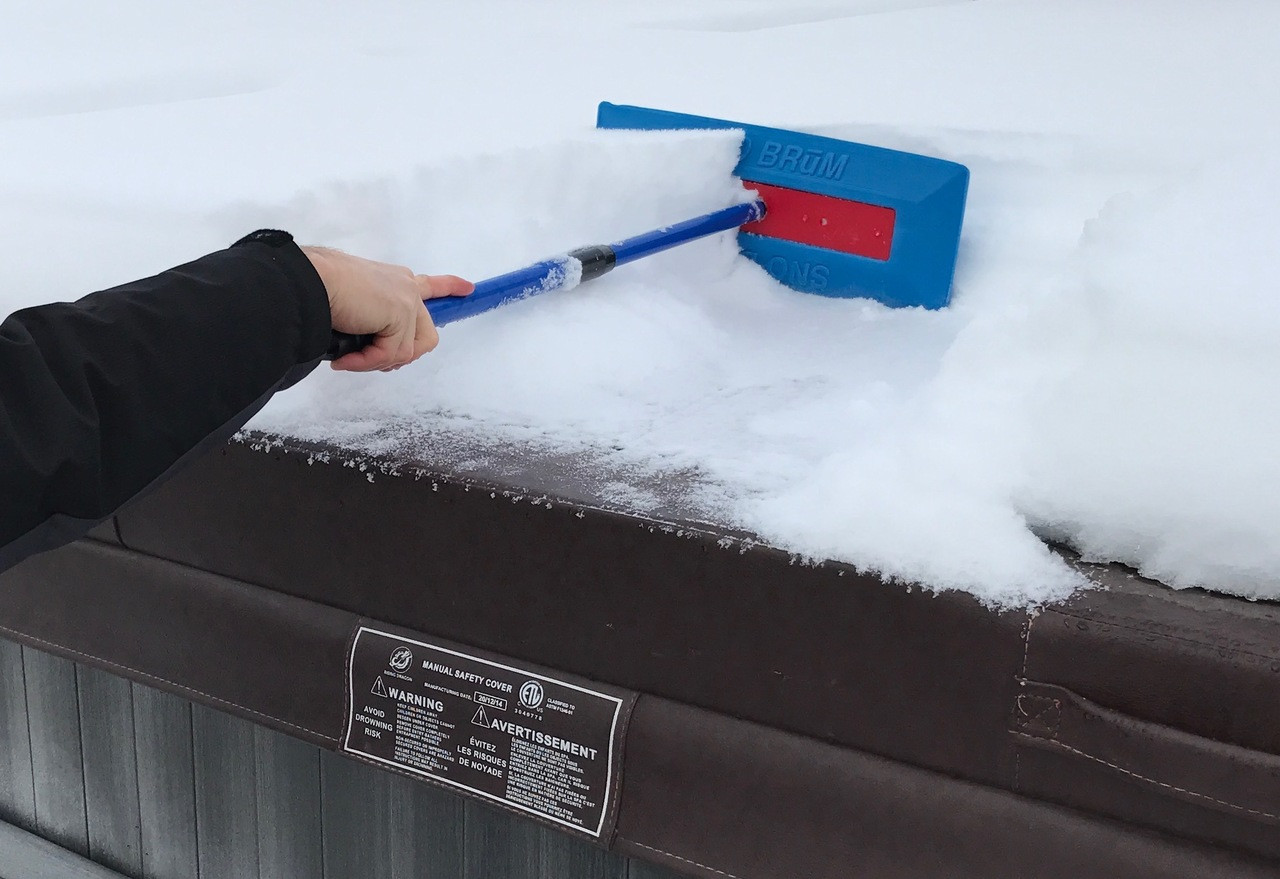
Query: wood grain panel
(57, 768)
(289, 808)
(499, 845)
(166, 784)
(565, 855)
(17, 788)
(378, 824)
(226, 794)
(110, 770)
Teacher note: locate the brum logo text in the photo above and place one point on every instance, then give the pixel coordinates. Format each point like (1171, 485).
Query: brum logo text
(811, 163)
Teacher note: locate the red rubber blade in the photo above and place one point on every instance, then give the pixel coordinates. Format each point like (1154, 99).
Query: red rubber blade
(824, 221)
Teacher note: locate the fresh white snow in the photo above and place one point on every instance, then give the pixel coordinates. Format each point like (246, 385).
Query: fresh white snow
(1104, 377)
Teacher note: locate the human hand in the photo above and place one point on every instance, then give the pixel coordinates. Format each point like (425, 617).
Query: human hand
(368, 297)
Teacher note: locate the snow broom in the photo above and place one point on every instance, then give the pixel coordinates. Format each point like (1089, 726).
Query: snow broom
(832, 217)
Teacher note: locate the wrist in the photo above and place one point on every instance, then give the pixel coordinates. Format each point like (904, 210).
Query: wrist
(322, 261)
(310, 286)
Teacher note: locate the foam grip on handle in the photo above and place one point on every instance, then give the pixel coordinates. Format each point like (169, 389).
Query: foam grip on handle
(341, 344)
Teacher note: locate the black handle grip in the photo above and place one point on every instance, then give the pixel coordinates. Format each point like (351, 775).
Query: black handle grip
(344, 343)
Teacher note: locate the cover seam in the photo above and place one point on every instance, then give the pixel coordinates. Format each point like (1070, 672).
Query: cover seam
(1043, 705)
(1057, 744)
(611, 820)
(686, 860)
(1165, 635)
(22, 636)
(1022, 682)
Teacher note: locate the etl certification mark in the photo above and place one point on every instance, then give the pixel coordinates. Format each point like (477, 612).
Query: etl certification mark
(531, 694)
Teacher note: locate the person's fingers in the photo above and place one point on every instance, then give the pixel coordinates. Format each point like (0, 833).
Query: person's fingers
(435, 286)
(366, 294)
(382, 353)
(348, 362)
(404, 354)
(395, 346)
(367, 359)
(426, 336)
(403, 330)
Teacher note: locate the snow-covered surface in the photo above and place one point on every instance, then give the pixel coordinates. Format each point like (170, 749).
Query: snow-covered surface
(1105, 376)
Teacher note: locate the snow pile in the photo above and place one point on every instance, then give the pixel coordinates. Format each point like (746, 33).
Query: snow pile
(1103, 377)
(1153, 431)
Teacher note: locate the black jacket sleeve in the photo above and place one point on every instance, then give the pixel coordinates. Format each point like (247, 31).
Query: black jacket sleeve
(100, 398)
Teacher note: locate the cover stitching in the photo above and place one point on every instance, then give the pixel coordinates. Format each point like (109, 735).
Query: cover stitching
(1022, 682)
(686, 860)
(1165, 635)
(1154, 781)
(611, 820)
(1048, 706)
(22, 636)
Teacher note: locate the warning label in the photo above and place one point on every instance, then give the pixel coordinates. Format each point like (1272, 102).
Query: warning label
(535, 743)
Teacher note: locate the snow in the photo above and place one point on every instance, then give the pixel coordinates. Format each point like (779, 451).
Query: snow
(1103, 378)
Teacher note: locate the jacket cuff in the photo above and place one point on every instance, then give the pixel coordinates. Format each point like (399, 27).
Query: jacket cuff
(313, 298)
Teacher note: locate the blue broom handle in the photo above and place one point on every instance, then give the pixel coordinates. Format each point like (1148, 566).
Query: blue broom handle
(648, 243)
(551, 274)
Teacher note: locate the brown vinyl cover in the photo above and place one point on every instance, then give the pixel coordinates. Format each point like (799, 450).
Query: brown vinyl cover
(791, 720)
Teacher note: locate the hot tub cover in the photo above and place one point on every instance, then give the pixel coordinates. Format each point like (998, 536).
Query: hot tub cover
(774, 718)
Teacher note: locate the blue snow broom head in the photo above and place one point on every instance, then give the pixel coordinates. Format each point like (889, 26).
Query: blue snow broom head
(844, 219)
